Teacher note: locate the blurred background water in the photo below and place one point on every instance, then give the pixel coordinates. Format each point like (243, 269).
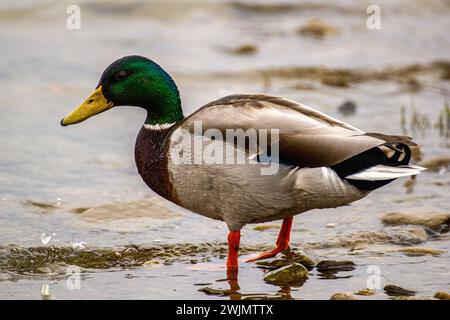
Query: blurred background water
(319, 53)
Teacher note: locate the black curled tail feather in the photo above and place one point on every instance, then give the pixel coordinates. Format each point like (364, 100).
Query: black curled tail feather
(371, 158)
(400, 149)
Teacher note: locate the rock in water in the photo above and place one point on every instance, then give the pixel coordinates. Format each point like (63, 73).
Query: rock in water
(273, 264)
(289, 258)
(432, 218)
(416, 251)
(407, 235)
(401, 235)
(245, 49)
(441, 295)
(318, 29)
(342, 296)
(303, 259)
(365, 292)
(264, 227)
(347, 108)
(293, 275)
(215, 292)
(333, 264)
(393, 290)
(411, 298)
(126, 216)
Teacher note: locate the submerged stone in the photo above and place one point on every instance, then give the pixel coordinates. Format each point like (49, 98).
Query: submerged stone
(433, 218)
(263, 297)
(441, 295)
(153, 264)
(264, 227)
(273, 264)
(365, 292)
(44, 206)
(303, 259)
(288, 258)
(393, 290)
(415, 251)
(401, 235)
(318, 29)
(411, 298)
(329, 269)
(126, 216)
(342, 296)
(347, 108)
(79, 210)
(293, 275)
(337, 80)
(334, 264)
(216, 292)
(407, 235)
(148, 208)
(245, 49)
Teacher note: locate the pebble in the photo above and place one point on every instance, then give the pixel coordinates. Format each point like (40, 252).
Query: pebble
(365, 292)
(412, 298)
(318, 29)
(303, 259)
(432, 218)
(264, 227)
(347, 108)
(152, 264)
(342, 296)
(393, 290)
(293, 275)
(245, 49)
(416, 251)
(298, 257)
(334, 264)
(441, 295)
(215, 292)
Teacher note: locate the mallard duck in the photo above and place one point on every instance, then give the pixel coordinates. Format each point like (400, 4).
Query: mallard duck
(320, 162)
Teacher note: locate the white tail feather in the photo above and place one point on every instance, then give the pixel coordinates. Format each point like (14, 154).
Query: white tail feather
(382, 172)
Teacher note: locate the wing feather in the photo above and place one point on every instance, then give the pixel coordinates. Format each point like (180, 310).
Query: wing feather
(307, 137)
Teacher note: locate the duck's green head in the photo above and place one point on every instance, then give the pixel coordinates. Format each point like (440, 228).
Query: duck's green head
(132, 81)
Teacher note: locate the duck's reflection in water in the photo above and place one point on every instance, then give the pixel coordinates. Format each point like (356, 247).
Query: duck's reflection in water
(233, 292)
(234, 288)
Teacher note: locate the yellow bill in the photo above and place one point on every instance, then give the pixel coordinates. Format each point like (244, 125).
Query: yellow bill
(93, 105)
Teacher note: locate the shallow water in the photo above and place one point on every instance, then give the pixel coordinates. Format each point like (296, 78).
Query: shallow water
(50, 175)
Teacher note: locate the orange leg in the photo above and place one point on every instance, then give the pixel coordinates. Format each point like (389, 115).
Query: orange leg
(282, 241)
(233, 249)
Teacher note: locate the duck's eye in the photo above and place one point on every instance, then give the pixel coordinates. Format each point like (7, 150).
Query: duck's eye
(121, 75)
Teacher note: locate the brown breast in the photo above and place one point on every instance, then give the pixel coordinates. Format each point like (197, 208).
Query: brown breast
(151, 160)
